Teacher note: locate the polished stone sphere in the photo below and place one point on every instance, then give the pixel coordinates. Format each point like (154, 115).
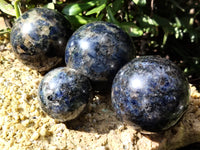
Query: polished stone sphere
(98, 50)
(151, 93)
(39, 37)
(64, 93)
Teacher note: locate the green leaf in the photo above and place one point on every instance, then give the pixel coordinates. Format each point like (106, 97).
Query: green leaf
(100, 17)
(84, 20)
(150, 21)
(111, 17)
(77, 20)
(117, 5)
(7, 8)
(132, 29)
(100, 2)
(59, 2)
(50, 6)
(193, 36)
(17, 8)
(149, 25)
(163, 22)
(76, 8)
(177, 5)
(96, 10)
(140, 2)
(3, 31)
(178, 22)
(165, 38)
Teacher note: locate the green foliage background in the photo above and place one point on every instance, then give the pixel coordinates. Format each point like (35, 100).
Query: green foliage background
(170, 28)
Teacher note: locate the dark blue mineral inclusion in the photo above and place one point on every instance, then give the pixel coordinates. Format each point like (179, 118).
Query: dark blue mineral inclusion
(42, 22)
(151, 92)
(25, 16)
(39, 38)
(64, 93)
(34, 36)
(98, 50)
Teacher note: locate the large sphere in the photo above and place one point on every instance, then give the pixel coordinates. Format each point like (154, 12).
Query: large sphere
(64, 93)
(39, 38)
(150, 92)
(98, 50)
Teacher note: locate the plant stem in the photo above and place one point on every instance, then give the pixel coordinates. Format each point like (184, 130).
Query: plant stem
(17, 9)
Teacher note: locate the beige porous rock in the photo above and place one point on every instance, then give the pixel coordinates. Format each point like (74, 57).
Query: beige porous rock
(24, 126)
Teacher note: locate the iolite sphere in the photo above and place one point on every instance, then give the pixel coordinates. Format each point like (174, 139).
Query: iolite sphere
(64, 93)
(151, 92)
(98, 50)
(39, 38)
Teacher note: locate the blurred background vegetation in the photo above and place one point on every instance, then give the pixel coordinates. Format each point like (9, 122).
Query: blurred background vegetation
(169, 28)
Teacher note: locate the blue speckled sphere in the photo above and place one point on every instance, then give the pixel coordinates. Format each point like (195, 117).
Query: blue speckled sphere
(150, 92)
(64, 93)
(98, 50)
(39, 38)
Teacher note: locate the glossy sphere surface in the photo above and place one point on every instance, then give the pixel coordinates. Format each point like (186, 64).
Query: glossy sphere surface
(98, 50)
(39, 38)
(150, 92)
(64, 93)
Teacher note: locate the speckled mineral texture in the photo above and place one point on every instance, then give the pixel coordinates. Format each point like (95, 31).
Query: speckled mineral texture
(39, 38)
(151, 92)
(98, 50)
(23, 125)
(64, 93)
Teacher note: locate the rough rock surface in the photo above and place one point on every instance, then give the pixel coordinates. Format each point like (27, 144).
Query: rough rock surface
(23, 125)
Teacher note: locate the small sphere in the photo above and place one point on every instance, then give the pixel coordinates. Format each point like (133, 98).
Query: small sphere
(151, 93)
(98, 50)
(39, 37)
(64, 93)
